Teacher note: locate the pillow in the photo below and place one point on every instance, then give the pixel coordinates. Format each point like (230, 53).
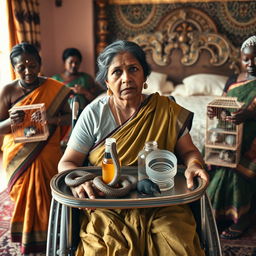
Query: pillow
(179, 90)
(157, 83)
(204, 84)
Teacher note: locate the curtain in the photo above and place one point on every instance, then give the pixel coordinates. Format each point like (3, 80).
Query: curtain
(24, 22)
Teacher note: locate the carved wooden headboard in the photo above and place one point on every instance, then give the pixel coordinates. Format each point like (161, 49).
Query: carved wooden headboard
(185, 42)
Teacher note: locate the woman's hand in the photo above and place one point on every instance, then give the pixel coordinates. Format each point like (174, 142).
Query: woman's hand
(36, 116)
(195, 170)
(86, 190)
(77, 89)
(17, 116)
(241, 116)
(211, 112)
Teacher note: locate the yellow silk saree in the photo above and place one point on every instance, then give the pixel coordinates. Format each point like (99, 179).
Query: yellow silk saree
(148, 231)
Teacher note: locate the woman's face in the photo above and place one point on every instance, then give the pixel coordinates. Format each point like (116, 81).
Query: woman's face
(27, 68)
(248, 60)
(72, 64)
(125, 76)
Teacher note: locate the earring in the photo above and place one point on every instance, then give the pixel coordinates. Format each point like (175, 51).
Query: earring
(109, 92)
(145, 85)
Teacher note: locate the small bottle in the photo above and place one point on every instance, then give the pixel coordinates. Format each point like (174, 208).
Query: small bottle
(149, 147)
(108, 168)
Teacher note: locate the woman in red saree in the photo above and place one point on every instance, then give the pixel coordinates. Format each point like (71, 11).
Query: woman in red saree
(29, 166)
(133, 119)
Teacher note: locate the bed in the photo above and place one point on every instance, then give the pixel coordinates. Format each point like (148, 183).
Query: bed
(191, 61)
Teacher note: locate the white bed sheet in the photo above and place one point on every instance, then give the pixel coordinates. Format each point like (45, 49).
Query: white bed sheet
(197, 105)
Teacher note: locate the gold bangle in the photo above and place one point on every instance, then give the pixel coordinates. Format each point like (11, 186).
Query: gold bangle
(196, 161)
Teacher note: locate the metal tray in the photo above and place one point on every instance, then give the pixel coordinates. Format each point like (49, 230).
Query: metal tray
(179, 194)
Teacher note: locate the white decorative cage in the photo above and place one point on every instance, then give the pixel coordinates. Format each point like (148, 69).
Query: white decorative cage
(222, 137)
(34, 126)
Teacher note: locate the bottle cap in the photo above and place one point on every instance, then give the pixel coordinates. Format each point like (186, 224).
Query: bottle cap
(151, 144)
(109, 141)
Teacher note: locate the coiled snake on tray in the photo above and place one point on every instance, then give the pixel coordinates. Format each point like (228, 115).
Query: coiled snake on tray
(126, 182)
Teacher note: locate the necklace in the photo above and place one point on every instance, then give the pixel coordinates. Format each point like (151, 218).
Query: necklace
(24, 90)
(118, 114)
(28, 88)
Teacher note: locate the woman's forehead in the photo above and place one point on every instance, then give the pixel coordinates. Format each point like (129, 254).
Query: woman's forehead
(25, 57)
(73, 58)
(124, 58)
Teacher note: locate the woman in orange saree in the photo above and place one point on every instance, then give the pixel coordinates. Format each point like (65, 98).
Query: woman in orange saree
(29, 166)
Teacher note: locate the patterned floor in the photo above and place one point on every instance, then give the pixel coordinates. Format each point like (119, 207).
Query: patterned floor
(7, 248)
(245, 246)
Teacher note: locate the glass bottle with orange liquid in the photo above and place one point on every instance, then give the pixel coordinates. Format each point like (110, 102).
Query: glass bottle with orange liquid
(108, 168)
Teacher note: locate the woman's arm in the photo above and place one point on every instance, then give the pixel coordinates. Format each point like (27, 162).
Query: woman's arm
(192, 158)
(71, 160)
(247, 112)
(6, 94)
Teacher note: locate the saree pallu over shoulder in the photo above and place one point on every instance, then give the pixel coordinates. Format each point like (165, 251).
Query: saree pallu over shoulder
(245, 92)
(18, 156)
(158, 119)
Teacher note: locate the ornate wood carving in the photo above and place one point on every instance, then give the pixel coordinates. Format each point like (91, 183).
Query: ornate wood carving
(163, 1)
(191, 31)
(102, 25)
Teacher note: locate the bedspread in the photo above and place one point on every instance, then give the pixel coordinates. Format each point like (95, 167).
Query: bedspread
(197, 105)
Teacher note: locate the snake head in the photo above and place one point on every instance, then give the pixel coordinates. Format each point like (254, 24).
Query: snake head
(146, 186)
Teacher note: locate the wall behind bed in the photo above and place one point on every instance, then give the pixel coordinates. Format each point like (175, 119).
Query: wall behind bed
(235, 19)
(230, 21)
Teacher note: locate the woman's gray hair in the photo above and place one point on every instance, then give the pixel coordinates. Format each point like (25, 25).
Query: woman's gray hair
(105, 58)
(251, 41)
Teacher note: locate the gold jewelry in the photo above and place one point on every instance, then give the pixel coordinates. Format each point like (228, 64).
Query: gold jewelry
(109, 92)
(118, 112)
(24, 89)
(196, 161)
(145, 85)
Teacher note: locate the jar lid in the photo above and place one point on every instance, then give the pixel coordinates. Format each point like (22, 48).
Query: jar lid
(161, 165)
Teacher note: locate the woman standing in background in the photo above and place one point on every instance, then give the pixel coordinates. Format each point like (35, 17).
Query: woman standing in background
(233, 190)
(29, 166)
(81, 83)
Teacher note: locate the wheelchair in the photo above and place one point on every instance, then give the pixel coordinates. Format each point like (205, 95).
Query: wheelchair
(64, 226)
(63, 230)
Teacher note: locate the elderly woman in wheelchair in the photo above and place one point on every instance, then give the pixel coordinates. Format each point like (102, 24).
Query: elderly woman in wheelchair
(133, 119)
